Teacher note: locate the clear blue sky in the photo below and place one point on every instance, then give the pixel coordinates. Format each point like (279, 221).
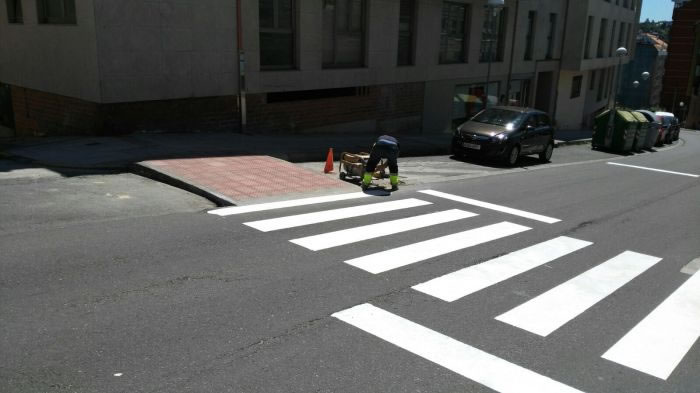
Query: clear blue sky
(657, 10)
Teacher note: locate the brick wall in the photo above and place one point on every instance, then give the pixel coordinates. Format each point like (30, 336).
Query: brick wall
(387, 108)
(680, 55)
(38, 113)
(393, 108)
(182, 115)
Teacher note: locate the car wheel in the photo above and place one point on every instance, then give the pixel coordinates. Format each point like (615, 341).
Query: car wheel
(341, 175)
(513, 155)
(546, 155)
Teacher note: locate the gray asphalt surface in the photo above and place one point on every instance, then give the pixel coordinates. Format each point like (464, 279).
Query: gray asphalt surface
(177, 300)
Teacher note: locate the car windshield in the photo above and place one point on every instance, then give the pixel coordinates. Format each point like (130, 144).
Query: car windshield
(499, 117)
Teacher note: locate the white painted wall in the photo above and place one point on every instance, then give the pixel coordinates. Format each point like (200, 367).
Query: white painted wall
(166, 49)
(60, 59)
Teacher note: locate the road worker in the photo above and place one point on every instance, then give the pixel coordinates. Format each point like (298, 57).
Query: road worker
(385, 147)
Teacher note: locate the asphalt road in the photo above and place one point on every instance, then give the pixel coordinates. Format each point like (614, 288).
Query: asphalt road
(164, 297)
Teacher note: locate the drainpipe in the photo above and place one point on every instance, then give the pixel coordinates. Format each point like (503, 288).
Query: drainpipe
(561, 59)
(241, 67)
(512, 51)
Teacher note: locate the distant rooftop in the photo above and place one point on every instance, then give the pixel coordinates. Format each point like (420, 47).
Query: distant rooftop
(651, 39)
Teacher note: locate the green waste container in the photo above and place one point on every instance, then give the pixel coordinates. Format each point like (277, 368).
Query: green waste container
(642, 130)
(621, 137)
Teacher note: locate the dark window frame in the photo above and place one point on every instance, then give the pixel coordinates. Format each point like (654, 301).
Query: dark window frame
(576, 84)
(589, 33)
(276, 29)
(335, 63)
(445, 35)
(530, 36)
(551, 38)
(408, 58)
(612, 38)
(14, 12)
(502, 20)
(602, 31)
(68, 17)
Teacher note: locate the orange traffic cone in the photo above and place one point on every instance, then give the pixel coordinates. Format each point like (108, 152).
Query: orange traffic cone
(329, 162)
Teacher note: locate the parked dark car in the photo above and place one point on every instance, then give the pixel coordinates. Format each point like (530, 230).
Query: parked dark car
(505, 133)
(672, 123)
(668, 120)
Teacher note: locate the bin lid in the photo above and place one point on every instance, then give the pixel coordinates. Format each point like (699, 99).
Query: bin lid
(627, 116)
(640, 117)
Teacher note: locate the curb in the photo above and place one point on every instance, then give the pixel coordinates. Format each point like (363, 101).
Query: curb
(145, 170)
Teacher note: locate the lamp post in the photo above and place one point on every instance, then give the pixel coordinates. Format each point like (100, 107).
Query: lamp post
(492, 8)
(620, 53)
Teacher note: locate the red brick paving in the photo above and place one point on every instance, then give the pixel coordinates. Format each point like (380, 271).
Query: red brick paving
(243, 178)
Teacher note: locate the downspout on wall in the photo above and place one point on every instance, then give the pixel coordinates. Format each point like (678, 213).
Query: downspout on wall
(241, 68)
(512, 50)
(561, 59)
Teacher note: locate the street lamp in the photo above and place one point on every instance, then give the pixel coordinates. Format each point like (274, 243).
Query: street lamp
(620, 53)
(492, 8)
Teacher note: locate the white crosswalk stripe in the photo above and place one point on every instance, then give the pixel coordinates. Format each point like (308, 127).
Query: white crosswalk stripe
(335, 214)
(461, 283)
(233, 210)
(660, 341)
(656, 346)
(491, 206)
(549, 311)
(391, 259)
(475, 364)
(352, 235)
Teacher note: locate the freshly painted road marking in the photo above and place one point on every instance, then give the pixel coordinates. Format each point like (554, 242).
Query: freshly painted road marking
(692, 267)
(660, 341)
(653, 169)
(416, 252)
(228, 211)
(479, 366)
(298, 220)
(461, 283)
(549, 311)
(352, 235)
(491, 206)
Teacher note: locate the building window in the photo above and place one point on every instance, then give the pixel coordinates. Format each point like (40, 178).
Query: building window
(14, 11)
(343, 33)
(612, 38)
(551, 36)
(601, 37)
(407, 13)
(277, 34)
(576, 86)
(59, 12)
(621, 37)
(493, 35)
(454, 38)
(601, 84)
(591, 84)
(626, 3)
(589, 31)
(629, 38)
(530, 38)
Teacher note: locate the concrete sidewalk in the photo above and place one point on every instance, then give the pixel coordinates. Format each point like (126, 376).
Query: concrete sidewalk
(227, 168)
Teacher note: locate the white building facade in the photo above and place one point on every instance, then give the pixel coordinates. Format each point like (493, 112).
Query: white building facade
(114, 66)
